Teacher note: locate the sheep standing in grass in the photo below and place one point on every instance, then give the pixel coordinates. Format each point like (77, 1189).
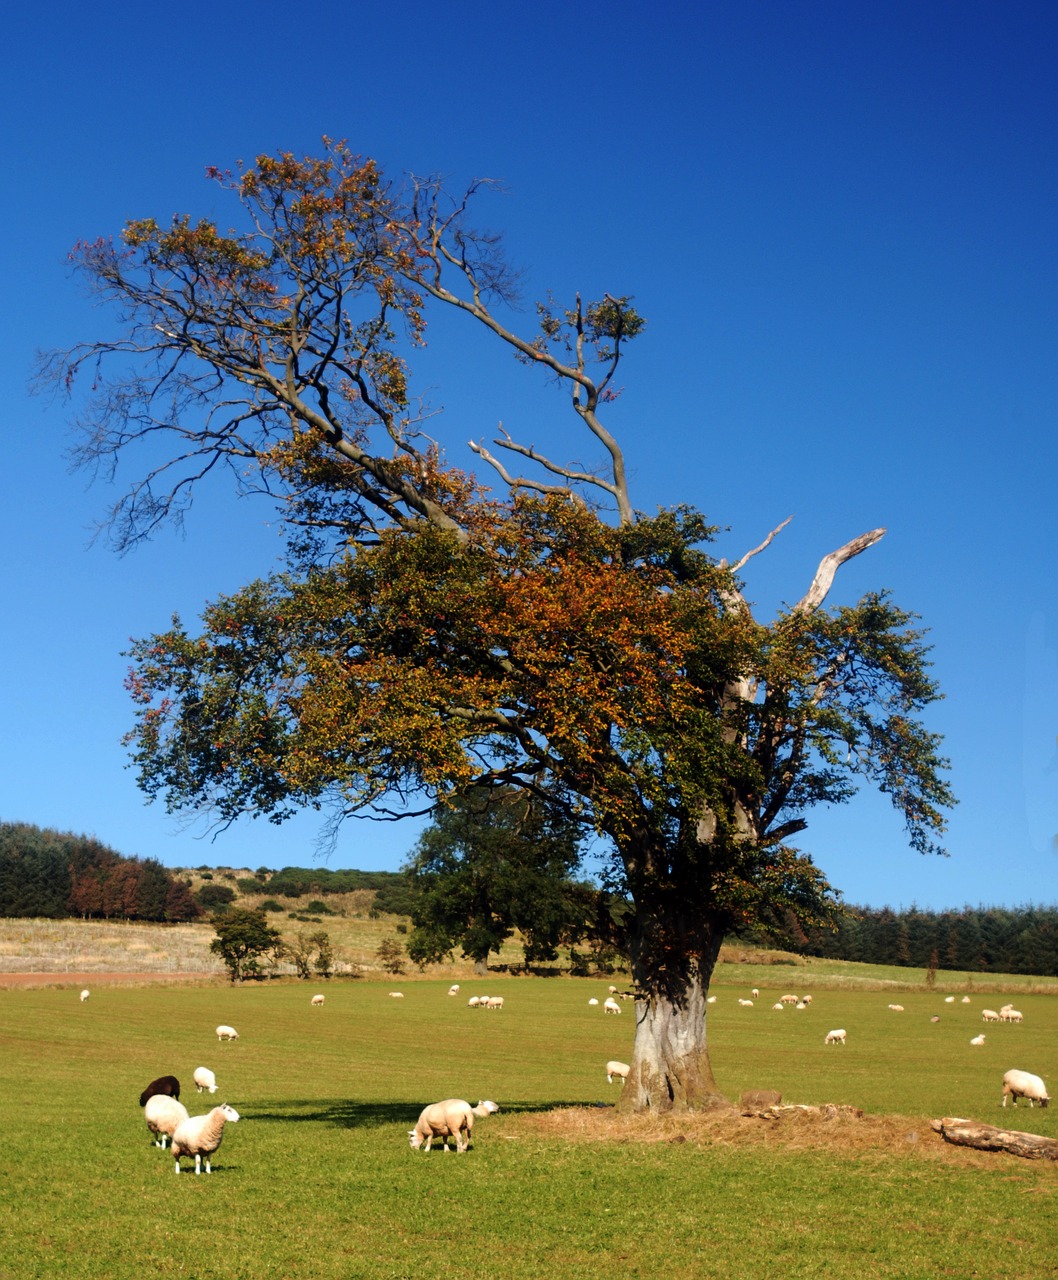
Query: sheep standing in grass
(225, 1032)
(494, 1002)
(1022, 1084)
(163, 1115)
(85, 994)
(619, 1069)
(806, 999)
(317, 1001)
(200, 1136)
(610, 1005)
(1011, 1015)
(989, 1015)
(452, 1118)
(453, 990)
(205, 1079)
(835, 1037)
(168, 1086)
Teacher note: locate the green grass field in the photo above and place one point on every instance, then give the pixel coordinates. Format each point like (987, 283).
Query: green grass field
(317, 1181)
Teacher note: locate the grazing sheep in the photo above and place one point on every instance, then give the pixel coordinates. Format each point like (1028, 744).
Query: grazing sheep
(205, 1079)
(806, 999)
(473, 1002)
(168, 1086)
(486, 1108)
(897, 1008)
(620, 1069)
(452, 1118)
(989, 1015)
(1022, 1084)
(226, 1033)
(835, 1037)
(800, 1005)
(610, 1005)
(453, 990)
(746, 1004)
(85, 994)
(317, 1002)
(788, 999)
(1011, 1015)
(612, 989)
(978, 1040)
(494, 1002)
(200, 1136)
(164, 1115)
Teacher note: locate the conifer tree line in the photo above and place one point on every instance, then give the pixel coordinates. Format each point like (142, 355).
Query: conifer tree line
(55, 874)
(973, 939)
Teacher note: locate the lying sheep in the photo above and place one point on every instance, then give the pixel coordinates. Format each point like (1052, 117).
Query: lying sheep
(452, 1118)
(592, 1001)
(200, 1136)
(164, 1115)
(949, 999)
(224, 1032)
(615, 1068)
(835, 1037)
(779, 1005)
(897, 1008)
(610, 1005)
(800, 1005)
(746, 1004)
(168, 1086)
(965, 1000)
(978, 1040)
(1022, 1084)
(396, 995)
(205, 1079)
(317, 1002)
(85, 994)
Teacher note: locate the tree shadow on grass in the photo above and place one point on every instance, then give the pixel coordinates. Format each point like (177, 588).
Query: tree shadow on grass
(348, 1113)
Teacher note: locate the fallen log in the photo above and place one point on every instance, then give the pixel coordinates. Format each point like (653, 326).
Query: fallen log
(986, 1137)
(828, 1111)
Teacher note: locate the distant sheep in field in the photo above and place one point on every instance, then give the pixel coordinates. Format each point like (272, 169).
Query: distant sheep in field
(452, 1118)
(755, 993)
(949, 999)
(167, 1086)
(473, 1002)
(85, 994)
(835, 1037)
(778, 1005)
(612, 989)
(788, 999)
(396, 995)
(1011, 1015)
(163, 1115)
(592, 1001)
(317, 1002)
(965, 1000)
(800, 1005)
(1022, 1084)
(989, 1015)
(201, 1135)
(806, 999)
(710, 999)
(205, 1079)
(746, 1004)
(610, 1005)
(453, 990)
(494, 1002)
(226, 1033)
(897, 1008)
(619, 1069)
(978, 1040)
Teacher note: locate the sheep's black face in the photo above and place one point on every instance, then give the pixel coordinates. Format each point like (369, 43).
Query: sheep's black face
(1044, 1101)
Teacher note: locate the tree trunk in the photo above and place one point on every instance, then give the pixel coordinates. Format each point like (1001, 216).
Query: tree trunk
(670, 1068)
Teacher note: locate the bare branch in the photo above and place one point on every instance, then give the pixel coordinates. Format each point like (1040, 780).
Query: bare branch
(828, 567)
(757, 550)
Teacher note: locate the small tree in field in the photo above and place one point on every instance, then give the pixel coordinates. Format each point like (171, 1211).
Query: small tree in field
(243, 937)
(430, 634)
(390, 955)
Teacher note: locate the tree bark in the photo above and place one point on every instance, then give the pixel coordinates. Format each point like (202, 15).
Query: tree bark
(985, 1137)
(670, 1067)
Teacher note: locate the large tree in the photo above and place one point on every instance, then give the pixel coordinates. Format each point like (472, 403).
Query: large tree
(429, 633)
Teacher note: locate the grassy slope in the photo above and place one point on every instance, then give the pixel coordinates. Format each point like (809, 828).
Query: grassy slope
(317, 1181)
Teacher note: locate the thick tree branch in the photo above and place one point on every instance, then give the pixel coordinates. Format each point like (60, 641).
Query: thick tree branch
(828, 567)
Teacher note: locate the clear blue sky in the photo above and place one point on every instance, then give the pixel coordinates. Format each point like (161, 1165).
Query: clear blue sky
(840, 220)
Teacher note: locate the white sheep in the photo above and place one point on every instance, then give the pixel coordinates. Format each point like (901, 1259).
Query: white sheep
(978, 1040)
(788, 999)
(610, 1005)
(1004, 1007)
(85, 994)
(200, 1136)
(163, 1115)
(897, 1008)
(835, 1037)
(453, 990)
(949, 999)
(473, 1002)
(746, 1004)
(494, 1002)
(396, 995)
(989, 1015)
(1011, 1015)
(779, 1005)
(226, 1033)
(806, 999)
(710, 999)
(592, 1001)
(486, 1108)
(755, 993)
(612, 989)
(1022, 1084)
(317, 1001)
(965, 1000)
(800, 1005)
(205, 1079)
(620, 1069)
(452, 1118)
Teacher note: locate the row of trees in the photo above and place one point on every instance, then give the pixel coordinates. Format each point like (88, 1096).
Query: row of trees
(974, 939)
(55, 874)
(245, 941)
